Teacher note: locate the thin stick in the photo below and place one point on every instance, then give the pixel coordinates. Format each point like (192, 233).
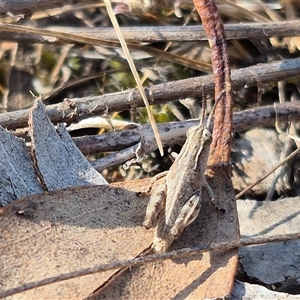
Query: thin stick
(186, 252)
(135, 73)
(211, 21)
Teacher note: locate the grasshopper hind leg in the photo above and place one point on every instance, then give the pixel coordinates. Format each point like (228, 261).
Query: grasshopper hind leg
(187, 215)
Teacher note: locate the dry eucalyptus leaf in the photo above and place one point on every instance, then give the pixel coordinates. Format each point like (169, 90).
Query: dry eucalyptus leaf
(67, 230)
(244, 290)
(273, 262)
(209, 275)
(58, 160)
(17, 176)
(254, 155)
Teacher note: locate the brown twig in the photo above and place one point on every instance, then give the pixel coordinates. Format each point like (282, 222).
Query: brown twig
(60, 36)
(25, 6)
(213, 26)
(73, 109)
(124, 142)
(240, 31)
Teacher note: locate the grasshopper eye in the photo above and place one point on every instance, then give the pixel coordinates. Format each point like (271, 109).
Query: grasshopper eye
(206, 134)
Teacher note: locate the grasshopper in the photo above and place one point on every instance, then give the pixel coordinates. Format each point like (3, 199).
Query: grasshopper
(177, 201)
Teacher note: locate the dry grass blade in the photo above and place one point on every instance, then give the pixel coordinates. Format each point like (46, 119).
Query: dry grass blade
(135, 73)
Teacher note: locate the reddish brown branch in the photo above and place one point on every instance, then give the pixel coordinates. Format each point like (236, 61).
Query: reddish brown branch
(213, 26)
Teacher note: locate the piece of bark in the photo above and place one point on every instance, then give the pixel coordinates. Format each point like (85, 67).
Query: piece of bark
(17, 175)
(57, 159)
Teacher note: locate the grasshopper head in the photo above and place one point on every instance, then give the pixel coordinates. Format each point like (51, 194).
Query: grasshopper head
(206, 135)
(199, 133)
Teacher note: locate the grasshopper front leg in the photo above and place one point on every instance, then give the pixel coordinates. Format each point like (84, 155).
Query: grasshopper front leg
(156, 205)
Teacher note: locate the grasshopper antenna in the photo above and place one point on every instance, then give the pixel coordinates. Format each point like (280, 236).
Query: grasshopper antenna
(203, 104)
(213, 109)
